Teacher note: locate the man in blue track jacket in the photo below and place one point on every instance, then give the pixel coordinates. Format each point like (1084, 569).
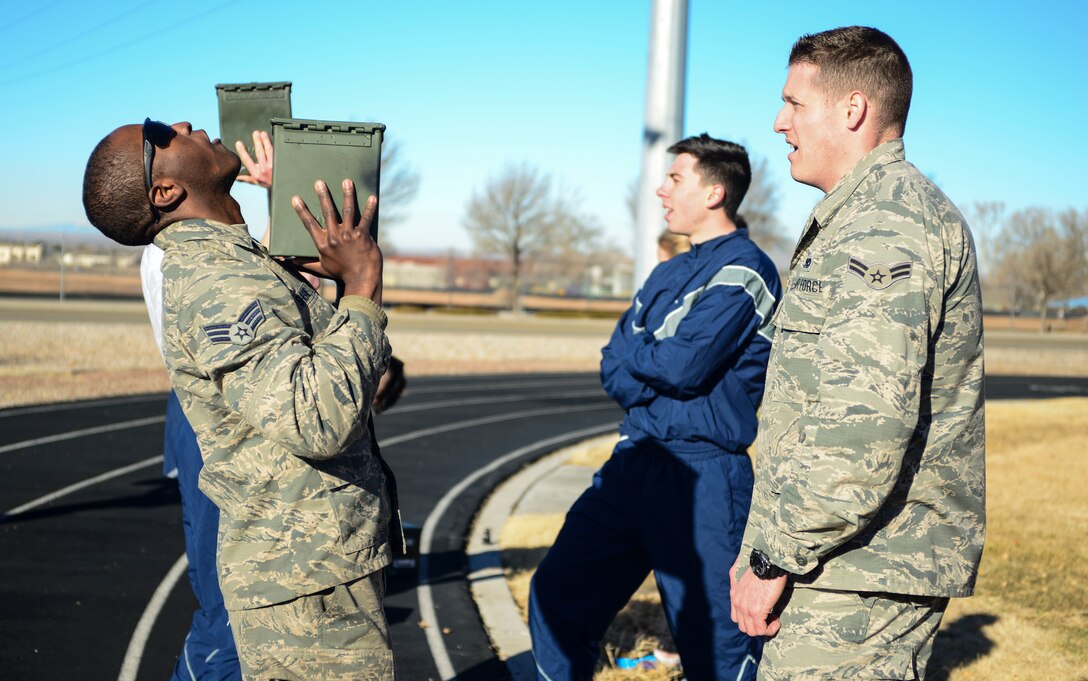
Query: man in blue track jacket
(687, 363)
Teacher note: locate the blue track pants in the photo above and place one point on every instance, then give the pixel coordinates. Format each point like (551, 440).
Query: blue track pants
(681, 515)
(209, 652)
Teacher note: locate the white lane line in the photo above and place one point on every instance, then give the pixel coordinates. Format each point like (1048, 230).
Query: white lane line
(497, 418)
(427, 613)
(71, 435)
(135, 652)
(502, 399)
(67, 406)
(441, 656)
(475, 387)
(1056, 388)
(52, 496)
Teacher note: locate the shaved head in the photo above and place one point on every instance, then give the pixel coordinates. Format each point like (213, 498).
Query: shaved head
(114, 195)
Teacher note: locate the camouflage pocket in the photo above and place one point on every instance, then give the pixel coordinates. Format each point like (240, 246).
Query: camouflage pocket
(360, 507)
(794, 375)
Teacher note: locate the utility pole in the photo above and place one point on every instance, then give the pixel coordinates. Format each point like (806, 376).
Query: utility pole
(663, 124)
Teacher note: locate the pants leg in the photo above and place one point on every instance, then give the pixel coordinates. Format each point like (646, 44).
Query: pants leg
(339, 634)
(209, 652)
(694, 526)
(590, 572)
(848, 635)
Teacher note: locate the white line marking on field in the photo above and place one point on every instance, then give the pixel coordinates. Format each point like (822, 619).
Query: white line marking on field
(588, 380)
(497, 418)
(68, 406)
(502, 399)
(135, 651)
(71, 435)
(1059, 388)
(427, 612)
(438, 649)
(116, 473)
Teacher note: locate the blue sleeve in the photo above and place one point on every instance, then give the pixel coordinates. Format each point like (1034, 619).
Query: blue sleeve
(620, 385)
(690, 359)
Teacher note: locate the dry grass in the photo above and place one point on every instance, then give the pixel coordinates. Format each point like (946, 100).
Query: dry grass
(1051, 361)
(1029, 617)
(52, 361)
(42, 362)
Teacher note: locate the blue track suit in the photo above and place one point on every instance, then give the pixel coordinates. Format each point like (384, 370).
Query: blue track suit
(209, 653)
(687, 362)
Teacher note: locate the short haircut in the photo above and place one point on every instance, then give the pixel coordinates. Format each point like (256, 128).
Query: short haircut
(719, 162)
(863, 59)
(114, 195)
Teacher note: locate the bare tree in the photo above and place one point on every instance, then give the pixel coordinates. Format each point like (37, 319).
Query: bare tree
(519, 215)
(399, 185)
(760, 209)
(1045, 255)
(985, 218)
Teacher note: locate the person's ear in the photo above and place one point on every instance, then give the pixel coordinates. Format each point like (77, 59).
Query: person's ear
(856, 110)
(715, 196)
(166, 194)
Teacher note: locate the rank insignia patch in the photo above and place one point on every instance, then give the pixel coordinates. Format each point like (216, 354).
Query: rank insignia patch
(240, 332)
(305, 293)
(880, 276)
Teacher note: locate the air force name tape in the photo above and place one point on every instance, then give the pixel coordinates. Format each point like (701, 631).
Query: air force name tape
(880, 276)
(240, 332)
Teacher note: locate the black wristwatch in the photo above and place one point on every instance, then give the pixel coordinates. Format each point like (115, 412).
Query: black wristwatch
(762, 566)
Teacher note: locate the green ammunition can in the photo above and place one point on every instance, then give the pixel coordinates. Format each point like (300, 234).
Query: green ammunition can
(307, 151)
(245, 107)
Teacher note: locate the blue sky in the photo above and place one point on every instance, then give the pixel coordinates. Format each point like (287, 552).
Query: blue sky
(467, 87)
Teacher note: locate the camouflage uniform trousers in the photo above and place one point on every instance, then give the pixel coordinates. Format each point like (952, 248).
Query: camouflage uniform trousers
(338, 634)
(848, 635)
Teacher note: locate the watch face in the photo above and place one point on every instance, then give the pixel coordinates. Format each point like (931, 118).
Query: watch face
(760, 564)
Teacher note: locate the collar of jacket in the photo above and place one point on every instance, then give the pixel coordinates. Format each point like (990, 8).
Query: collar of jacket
(887, 153)
(202, 230)
(717, 242)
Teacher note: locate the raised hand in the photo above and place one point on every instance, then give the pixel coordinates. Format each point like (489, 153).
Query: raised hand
(260, 172)
(345, 248)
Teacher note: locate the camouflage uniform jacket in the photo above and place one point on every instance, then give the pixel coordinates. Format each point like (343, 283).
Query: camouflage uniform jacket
(277, 384)
(870, 469)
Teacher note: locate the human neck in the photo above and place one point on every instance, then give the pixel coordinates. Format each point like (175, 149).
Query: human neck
(857, 147)
(220, 208)
(712, 228)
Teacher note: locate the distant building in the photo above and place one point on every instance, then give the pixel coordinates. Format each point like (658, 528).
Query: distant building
(466, 273)
(442, 272)
(21, 253)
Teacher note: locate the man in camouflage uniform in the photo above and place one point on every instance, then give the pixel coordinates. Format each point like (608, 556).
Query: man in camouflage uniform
(869, 505)
(277, 385)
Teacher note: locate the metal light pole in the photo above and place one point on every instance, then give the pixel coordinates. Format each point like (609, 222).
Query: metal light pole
(664, 122)
(62, 251)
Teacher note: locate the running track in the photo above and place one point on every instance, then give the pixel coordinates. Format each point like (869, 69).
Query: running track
(92, 581)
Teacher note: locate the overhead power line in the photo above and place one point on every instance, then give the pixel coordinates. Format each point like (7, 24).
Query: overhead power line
(37, 10)
(77, 36)
(114, 48)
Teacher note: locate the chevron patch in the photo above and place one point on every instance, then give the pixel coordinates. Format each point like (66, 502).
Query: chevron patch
(240, 332)
(880, 276)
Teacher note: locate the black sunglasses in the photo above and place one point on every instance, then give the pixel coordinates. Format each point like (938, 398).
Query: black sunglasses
(155, 134)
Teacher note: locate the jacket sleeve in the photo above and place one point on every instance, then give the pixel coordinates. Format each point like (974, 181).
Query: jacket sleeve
(851, 441)
(686, 359)
(310, 394)
(618, 382)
